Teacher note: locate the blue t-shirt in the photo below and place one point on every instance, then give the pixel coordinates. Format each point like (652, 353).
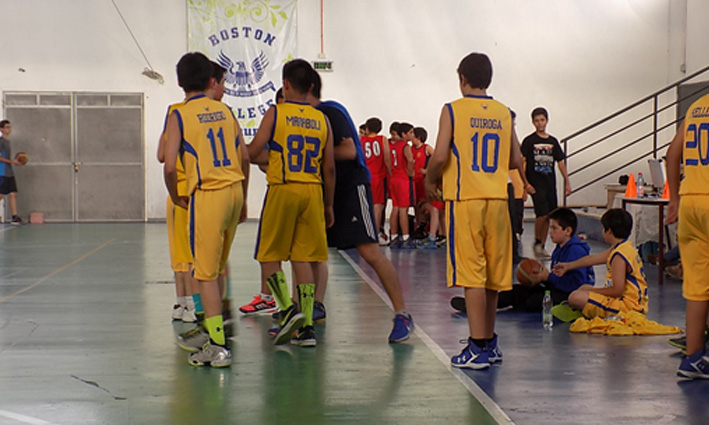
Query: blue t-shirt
(6, 153)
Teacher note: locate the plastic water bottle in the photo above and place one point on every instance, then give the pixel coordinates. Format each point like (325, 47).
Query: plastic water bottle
(641, 185)
(547, 318)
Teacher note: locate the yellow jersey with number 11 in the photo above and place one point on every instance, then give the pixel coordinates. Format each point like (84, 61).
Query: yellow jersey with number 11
(210, 144)
(478, 164)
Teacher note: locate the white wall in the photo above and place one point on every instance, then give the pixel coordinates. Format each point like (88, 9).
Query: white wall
(394, 59)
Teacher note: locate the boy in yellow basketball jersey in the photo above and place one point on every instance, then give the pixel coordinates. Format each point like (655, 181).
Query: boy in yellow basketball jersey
(295, 215)
(625, 288)
(691, 210)
(474, 152)
(208, 137)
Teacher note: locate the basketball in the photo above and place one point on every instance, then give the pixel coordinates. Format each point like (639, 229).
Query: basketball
(22, 157)
(525, 268)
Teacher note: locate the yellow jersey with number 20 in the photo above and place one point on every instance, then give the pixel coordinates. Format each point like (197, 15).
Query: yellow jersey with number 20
(210, 144)
(478, 164)
(696, 149)
(295, 151)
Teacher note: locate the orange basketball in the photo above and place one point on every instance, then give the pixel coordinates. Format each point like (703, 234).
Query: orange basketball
(22, 157)
(524, 271)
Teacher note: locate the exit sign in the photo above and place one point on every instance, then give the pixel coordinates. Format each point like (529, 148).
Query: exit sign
(323, 66)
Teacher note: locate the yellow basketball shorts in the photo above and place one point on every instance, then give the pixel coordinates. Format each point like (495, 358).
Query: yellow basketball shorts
(603, 306)
(214, 215)
(693, 237)
(178, 237)
(479, 244)
(292, 225)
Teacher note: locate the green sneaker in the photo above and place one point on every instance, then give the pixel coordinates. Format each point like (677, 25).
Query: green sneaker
(565, 313)
(681, 342)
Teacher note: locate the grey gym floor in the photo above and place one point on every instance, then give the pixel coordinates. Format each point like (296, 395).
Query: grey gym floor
(86, 338)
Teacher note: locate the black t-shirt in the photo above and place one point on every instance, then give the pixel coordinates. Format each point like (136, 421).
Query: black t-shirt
(350, 173)
(540, 154)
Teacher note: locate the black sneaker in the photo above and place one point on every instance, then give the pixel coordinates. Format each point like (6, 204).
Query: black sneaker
(681, 342)
(290, 320)
(304, 337)
(16, 221)
(319, 313)
(458, 303)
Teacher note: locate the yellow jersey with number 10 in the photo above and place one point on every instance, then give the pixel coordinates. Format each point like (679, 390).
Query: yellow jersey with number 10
(210, 144)
(478, 163)
(696, 149)
(295, 151)
(181, 180)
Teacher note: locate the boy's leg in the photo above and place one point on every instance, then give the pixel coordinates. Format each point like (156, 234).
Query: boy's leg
(696, 324)
(13, 203)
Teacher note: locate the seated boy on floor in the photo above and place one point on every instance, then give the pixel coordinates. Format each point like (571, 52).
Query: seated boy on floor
(625, 288)
(562, 229)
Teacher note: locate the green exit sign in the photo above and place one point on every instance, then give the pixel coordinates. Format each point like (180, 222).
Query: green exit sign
(323, 66)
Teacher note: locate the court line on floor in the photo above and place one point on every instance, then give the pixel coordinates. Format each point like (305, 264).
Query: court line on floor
(23, 418)
(481, 396)
(57, 271)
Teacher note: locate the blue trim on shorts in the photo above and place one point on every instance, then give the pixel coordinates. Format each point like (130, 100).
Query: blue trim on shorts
(603, 307)
(451, 243)
(191, 226)
(260, 220)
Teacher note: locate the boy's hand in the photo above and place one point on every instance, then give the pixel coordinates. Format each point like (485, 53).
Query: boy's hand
(540, 275)
(329, 217)
(16, 162)
(530, 189)
(560, 269)
(672, 209)
(567, 188)
(182, 202)
(432, 191)
(244, 213)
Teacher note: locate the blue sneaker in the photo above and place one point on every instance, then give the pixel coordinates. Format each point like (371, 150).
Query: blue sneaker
(494, 354)
(695, 366)
(427, 243)
(472, 357)
(408, 244)
(403, 325)
(319, 313)
(395, 243)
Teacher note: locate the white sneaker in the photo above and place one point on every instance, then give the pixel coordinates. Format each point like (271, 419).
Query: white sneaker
(177, 311)
(188, 314)
(212, 355)
(539, 252)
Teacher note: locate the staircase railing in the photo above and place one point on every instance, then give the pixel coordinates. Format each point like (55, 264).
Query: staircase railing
(650, 118)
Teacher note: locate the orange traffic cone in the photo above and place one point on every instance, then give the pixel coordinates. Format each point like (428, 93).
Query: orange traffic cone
(631, 191)
(666, 191)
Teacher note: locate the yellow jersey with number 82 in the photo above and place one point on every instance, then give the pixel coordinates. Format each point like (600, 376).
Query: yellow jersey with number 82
(478, 163)
(210, 144)
(295, 151)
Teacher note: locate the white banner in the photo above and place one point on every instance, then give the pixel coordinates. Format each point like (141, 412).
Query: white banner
(251, 39)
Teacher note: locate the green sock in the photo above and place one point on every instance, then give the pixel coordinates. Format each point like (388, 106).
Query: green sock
(215, 327)
(306, 296)
(279, 288)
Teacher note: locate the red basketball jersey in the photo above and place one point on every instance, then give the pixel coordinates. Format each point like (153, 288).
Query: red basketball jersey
(398, 159)
(373, 147)
(419, 161)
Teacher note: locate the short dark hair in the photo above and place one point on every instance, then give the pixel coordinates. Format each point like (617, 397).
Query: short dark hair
(298, 73)
(619, 221)
(217, 71)
(374, 125)
(394, 127)
(540, 111)
(194, 71)
(477, 70)
(404, 127)
(279, 94)
(3, 123)
(421, 134)
(565, 217)
(315, 83)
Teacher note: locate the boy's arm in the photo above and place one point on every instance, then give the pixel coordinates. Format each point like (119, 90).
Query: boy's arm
(161, 148)
(328, 171)
(674, 158)
(618, 272)
(263, 134)
(172, 148)
(440, 154)
(567, 183)
(387, 154)
(10, 161)
(586, 261)
(408, 154)
(528, 188)
(245, 168)
(345, 150)
(572, 279)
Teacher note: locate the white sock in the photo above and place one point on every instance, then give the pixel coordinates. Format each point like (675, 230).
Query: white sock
(405, 238)
(267, 297)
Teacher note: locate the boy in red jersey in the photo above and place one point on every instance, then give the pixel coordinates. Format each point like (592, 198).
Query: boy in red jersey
(378, 159)
(422, 153)
(401, 186)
